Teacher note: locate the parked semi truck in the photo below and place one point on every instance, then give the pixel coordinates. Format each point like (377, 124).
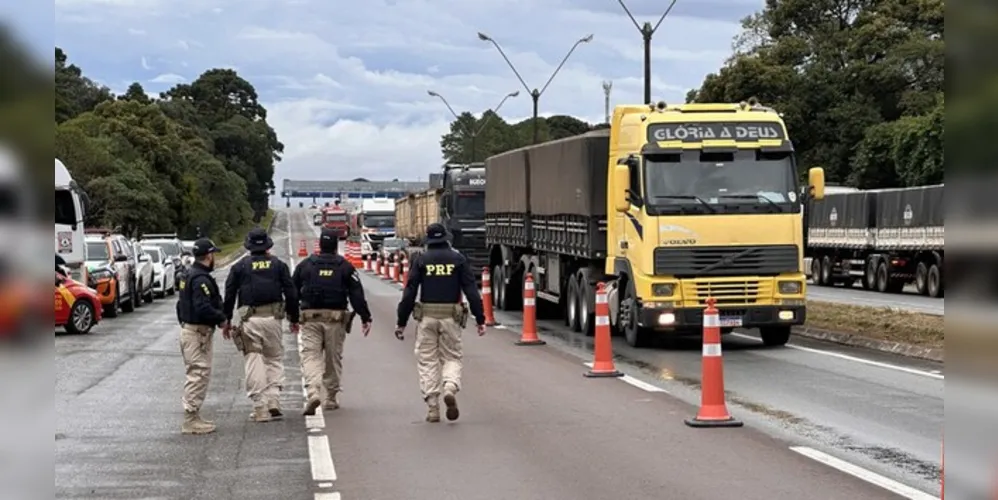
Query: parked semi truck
(670, 206)
(375, 221)
(883, 239)
(458, 203)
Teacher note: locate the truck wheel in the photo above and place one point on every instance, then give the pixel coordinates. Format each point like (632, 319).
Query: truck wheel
(870, 275)
(934, 284)
(111, 310)
(130, 305)
(587, 311)
(572, 305)
(922, 279)
(826, 271)
(635, 335)
(497, 288)
(883, 279)
(137, 296)
(816, 271)
(775, 336)
(81, 318)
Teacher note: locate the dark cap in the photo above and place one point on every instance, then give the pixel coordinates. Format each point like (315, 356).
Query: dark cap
(329, 240)
(436, 234)
(257, 240)
(204, 246)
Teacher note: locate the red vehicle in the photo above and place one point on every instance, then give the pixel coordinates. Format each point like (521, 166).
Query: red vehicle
(77, 307)
(336, 218)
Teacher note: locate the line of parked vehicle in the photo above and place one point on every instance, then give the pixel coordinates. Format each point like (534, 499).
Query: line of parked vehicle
(121, 275)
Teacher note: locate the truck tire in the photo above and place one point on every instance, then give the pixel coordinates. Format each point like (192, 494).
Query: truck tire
(826, 272)
(775, 336)
(870, 275)
(497, 288)
(573, 306)
(587, 307)
(114, 308)
(635, 335)
(130, 305)
(816, 271)
(934, 285)
(922, 278)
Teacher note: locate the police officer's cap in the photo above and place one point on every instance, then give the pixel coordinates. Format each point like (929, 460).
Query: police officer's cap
(204, 246)
(258, 240)
(329, 241)
(436, 233)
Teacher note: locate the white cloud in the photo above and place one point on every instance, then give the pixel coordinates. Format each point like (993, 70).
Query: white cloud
(171, 78)
(145, 63)
(346, 87)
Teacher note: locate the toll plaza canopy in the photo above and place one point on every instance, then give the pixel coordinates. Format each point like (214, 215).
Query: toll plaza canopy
(357, 188)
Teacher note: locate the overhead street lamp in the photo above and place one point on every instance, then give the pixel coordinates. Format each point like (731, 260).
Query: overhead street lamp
(646, 32)
(474, 134)
(534, 94)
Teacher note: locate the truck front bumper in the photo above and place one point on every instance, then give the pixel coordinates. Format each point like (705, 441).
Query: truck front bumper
(690, 319)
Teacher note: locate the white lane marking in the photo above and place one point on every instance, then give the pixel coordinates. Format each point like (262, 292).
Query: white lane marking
(325, 485)
(328, 496)
(322, 461)
(864, 474)
(931, 374)
(640, 384)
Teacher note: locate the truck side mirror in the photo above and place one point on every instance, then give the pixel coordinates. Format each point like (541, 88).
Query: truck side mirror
(621, 180)
(816, 182)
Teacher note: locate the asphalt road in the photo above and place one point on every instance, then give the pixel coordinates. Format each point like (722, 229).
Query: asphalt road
(857, 296)
(531, 427)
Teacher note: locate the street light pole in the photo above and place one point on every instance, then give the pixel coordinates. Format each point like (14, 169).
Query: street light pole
(646, 33)
(485, 118)
(535, 94)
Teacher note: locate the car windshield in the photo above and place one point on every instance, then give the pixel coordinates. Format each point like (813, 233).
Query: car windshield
(97, 250)
(335, 217)
(470, 204)
(170, 248)
(709, 182)
(154, 254)
(379, 221)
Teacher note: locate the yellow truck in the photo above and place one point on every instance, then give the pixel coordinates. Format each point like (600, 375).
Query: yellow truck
(670, 206)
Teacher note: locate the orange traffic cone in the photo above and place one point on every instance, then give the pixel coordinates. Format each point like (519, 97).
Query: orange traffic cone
(490, 319)
(393, 271)
(386, 273)
(316, 249)
(529, 335)
(368, 264)
(302, 251)
(398, 269)
(713, 410)
(405, 270)
(602, 344)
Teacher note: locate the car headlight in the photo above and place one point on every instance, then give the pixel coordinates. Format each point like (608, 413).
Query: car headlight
(663, 289)
(100, 274)
(789, 287)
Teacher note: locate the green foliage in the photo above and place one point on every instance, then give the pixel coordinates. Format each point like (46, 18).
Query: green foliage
(495, 135)
(859, 84)
(201, 157)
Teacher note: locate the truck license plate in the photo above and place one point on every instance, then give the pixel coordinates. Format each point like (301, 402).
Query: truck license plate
(731, 321)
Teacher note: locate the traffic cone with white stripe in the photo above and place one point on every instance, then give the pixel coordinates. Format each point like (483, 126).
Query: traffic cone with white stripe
(490, 319)
(393, 273)
(303, 249)
(529, 335)
(387, 274)
(398, 269)
(376, 264)
(602, 344)
(405, 270)
(713, 409)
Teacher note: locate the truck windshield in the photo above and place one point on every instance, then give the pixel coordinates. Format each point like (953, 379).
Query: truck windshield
(339, 217)
(470, 203)
(704, 182)
(379, 221)
(65, 209)
(97, 250)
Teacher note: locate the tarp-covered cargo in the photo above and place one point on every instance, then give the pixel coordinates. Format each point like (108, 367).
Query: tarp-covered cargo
(910, 218)
(568, 176)
(843, 220)
(506, 183)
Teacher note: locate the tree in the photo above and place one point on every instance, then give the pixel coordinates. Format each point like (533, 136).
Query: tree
(851, 77)
(135, 93)
(495, 135)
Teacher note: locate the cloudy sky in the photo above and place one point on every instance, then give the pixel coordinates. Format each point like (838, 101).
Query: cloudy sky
(346, 82)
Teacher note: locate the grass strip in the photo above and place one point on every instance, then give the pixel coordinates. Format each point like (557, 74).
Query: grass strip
(236, 246)
(880, 323)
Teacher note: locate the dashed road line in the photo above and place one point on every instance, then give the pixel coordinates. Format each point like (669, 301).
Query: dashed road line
(640, 384)
(864, 474)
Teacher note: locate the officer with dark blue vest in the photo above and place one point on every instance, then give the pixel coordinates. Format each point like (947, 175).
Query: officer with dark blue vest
(266, 296)
(199, 311)
(441, 274)
(326, 283)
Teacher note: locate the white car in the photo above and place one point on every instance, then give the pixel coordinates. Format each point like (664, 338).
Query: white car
(144, 273)
(163, 273)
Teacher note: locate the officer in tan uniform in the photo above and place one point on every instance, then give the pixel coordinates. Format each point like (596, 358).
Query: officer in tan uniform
(199, 310)
(266, 296)
(326, 282)
(441, 274)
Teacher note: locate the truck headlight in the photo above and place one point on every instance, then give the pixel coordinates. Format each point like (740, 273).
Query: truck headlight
(663, 289)
(789, 287)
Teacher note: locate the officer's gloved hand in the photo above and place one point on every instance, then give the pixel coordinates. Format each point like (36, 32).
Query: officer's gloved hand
(481, 330)
(366, 328)
(398, 332)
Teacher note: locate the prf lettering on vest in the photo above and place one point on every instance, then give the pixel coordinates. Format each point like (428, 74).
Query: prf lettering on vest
(325, 273)
(183, 284)
(440, 269)
(204, 288)
(260, 265)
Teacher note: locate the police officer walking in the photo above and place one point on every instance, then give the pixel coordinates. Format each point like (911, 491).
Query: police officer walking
(266, 296)
(199, 311)
(326, 282)
(441, 274)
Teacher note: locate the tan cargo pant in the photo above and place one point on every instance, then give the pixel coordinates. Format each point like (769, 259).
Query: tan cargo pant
(438, 355)
(264, 359)
(196, 349)
(322, 356)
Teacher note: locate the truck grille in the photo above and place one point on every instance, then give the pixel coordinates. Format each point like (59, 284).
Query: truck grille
(727, 292)
(690, 262)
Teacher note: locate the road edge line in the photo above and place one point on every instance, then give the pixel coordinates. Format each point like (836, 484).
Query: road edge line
(863, 474)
